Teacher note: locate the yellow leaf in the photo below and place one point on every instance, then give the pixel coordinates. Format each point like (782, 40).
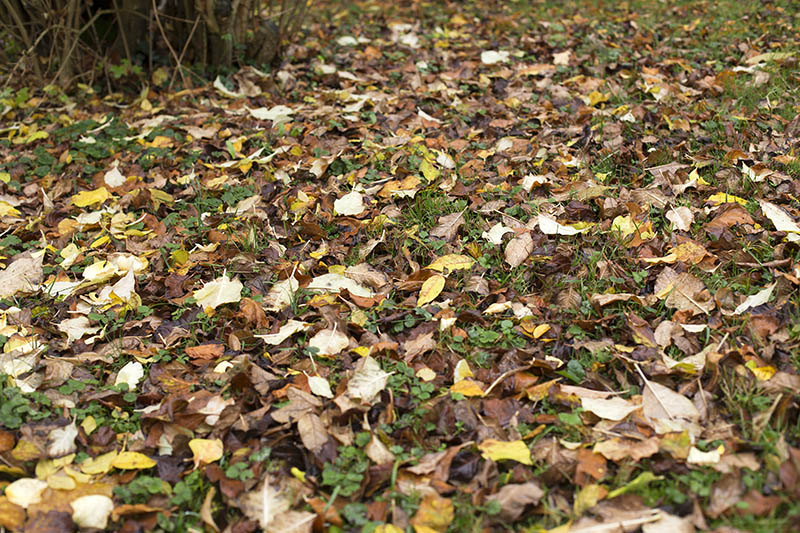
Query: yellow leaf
(498, 450)
(430, 289)
(100, 464)
(724, 198)
(434, 515)
(762, 373)
(87, 198)
(462, 371)
(467, 387)
(450, 262)
(132, 461)
(540, 330)
(588, 498)
(206, 451)
(428, 170)
(6, 209)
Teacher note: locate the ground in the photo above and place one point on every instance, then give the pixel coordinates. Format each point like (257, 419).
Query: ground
(451, 266)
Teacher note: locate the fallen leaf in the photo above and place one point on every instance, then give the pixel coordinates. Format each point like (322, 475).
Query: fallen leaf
(367, 381)
(220, 291)
(430, 289)
(435, 514)
(132, 461)
(754, 300)
(610, 409)
(130, 374)
(351, 204)
(518, 249)
(206, 451)
(23, 275)
(92, 511)
(329, 342)
(501, 450)
(287, 330)
(449, 263)
(25, 491)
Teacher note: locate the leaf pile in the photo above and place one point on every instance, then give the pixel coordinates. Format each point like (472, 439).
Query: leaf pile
(453, 268)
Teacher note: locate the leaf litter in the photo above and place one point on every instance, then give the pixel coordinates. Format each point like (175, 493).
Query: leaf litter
(526, 268)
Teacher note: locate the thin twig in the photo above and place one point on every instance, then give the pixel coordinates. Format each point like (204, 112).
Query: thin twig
(169, 45)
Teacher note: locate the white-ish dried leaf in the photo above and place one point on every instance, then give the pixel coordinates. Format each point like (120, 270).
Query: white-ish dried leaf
(329, 342)
(781, 220)
(490, 57)
(114, 178)
(131, 374)
(549, 226)
(92, 511)
(660, 402)
(277, 114)
(336, 282)
(25, 491)
(681, 218)
(754, 300)
(351, 204)
(281, 294)
(286, 331)
(320, 386)
(368, 381)
(496, 232)
(220, 291)
(61, 441)
(614, 408)
(77, 327)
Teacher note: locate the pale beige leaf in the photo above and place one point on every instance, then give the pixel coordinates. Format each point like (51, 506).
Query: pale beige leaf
(781, 220)
(660, 402)
(329, 342)
(92, 511)
(336, 282)
(518, 249)
(320, 386)
(549, 226)
(496, 233)
(368, 381)
(130, 374)
(515, 497)
(312, 432)
(681, 218)
(610, 409)
(378, 452)
(220, 291)
(23, 275)
(351, 204)
(281, 294)
(25, 491)
(754, 300)
(287, 330)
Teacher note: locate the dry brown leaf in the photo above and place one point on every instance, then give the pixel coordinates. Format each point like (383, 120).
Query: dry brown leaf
(447, 226)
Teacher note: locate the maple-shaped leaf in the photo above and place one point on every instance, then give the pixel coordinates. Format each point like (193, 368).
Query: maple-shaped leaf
(220, 291)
